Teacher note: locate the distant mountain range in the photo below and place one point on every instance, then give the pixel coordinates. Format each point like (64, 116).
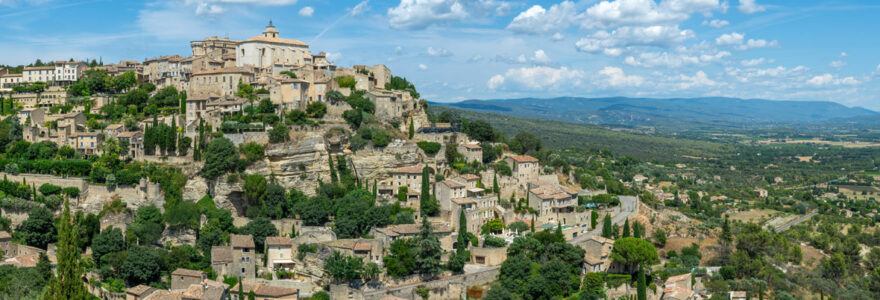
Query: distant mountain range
(675, 113)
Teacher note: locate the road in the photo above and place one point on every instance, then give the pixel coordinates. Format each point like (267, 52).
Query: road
(797, 221)
(629, 205)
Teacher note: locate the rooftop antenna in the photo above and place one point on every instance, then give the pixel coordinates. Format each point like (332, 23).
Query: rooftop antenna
(270, 22)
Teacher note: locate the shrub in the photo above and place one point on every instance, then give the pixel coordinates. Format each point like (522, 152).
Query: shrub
(430, 148)
(494, 242)
(72, 192)
(302, 249)
(316, 109)
(49, 189)
(346, 81)
(253, 151)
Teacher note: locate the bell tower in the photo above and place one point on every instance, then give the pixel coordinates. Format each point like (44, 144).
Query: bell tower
(270, 31)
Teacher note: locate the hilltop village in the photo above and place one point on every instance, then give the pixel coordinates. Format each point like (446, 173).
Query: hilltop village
(257, 168)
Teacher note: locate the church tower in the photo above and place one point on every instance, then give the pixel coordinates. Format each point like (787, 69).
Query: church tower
(270, 31)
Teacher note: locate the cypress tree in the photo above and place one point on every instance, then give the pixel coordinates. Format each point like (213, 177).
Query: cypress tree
(240, 290)
(606, 227)
(626, 228)
(426, 205)
(68, 284)
(641, 287)
(333, 177)
(375, 190)
(462, 232)
(533, 224)
(412, 129)
(594, 219)
(172, 136)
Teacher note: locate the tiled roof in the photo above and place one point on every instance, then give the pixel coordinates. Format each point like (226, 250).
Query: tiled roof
(223, 71)
(221, 254)
(523, 158)
(417, 169)
(472, 146)
(553, 191)
(463, 201)
(452, 184)
(164, 295)
(410, 229)
(262, 290)
(39, 68)
(363, 247)
(470, 177)
(678, 293)
(128, 134)
(241, 241)
(188, 272)
(264, 39)
(278, 241)
(678, 278)
(139, 290)
(5, 235)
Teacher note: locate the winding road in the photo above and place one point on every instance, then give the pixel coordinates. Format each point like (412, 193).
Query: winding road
(797, 221)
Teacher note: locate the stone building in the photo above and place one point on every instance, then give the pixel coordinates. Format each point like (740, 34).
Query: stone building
(279, 252)
(525, 168)
(553, 202)
(181, 279)
(164, 71)
(268, 50)
(265, 292)
(236, 260)
(218, 83)
(410, 177)
(471, 152)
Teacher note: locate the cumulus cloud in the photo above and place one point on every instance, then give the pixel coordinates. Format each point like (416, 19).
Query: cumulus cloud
(557, 37)
(537, 78)
(878, 67)
(611, 42)
(615, 13)
(750, 6)
(420, 14)
(737, 40)
(537, 19)
(843, 54)
(423, 67)
(716, 23)
(541, 57)
(615, 76)
(438, 52)
(306, 11)
(837, 64)
(829, 80)
(698, 80)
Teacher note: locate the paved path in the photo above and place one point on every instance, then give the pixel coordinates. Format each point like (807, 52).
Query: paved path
(797, 221)
(629, 205)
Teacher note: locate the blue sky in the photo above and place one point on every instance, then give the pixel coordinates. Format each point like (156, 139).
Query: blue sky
(481, 49)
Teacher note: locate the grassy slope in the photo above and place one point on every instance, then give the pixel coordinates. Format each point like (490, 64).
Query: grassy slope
(556, 134)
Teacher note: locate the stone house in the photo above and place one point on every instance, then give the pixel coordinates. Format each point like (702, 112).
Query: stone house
(181, 279)
(597, 254)
(32, 115)
(371, 250)
(269, 49)
(265, 292)
(471, 152)
(525, 168)
(554, 203)
(5, 242)
(279, 252)
(410, 177)
(219, 83)
(86, 142)
(135, 140)
(681, 281)
(392, 105)
(164, 71)
(236, 260)
(7, 81)
(448, 190)
(391, 233)
(139, 292)
(113, 130)
(488, 256)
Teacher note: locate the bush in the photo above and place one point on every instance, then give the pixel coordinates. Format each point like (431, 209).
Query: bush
(316, 109)
(302, 249)
(430, 148)
(253, 151)
(49, 189)
(72, 192)
(494, 242)
(346, 81)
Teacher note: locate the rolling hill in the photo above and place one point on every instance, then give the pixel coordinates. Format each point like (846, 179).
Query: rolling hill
(679, 114)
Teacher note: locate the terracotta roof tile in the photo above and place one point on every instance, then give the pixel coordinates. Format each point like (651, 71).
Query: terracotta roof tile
(523, 158)
(278, 241)
(188, 272)
(221, 254)
(417, 169)
(139, 290)
(241, 241)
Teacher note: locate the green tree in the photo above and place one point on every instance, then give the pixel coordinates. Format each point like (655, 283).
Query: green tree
(594, 219)
(641, 287)
(607, 231)
(726, 235)
(68, 284)
(626, 228)
(220, 157)
(427, 204)
(402, 260)
(634, 252)
(254, 192)
(660, 237)
(108, 241)
(412, 129)
(316, 109)
(39, 229)
(148, 225)
(344, 268)
(279, 133)
(259, 228)
(253, 151)
(429, 251)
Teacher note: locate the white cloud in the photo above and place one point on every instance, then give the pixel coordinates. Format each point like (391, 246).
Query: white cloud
(843, 54)
(658, 36)
(755, 62)
(716, 23)
(728, 39)
(360, 8)
(423, 67)
(475, 58)
(214, 7)
(537, 20)
(495, 82)
(828, 80)
(615, 76)
(837, 64)
(398, 50)
(878, 67)
(615, 13)
(674, 59)
(420, 14)
(541, 57)
(698, 80)
(737, 40)
(536, 78)
(750, 7)
(557, 37)
(334, 56)
(438, 52)
(307, 11)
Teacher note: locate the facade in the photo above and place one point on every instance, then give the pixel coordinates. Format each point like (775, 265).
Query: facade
(391, 233)
(553, 202)
(213, 47)
(525, 168)
(410, 177)
(269, 49)
(471, 152)
(279, 252)
(164, 71)
(68, 72)
(218, 83)
(392, 105)
(370, 250)
(86, 142)
(597, 253)
(244, 257)
(139, 292)
(7, 81)
(38, 74)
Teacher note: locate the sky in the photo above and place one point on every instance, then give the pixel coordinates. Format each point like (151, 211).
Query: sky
(455, 50)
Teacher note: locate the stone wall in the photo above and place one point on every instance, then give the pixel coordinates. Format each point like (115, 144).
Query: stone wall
(259, 137)
(453, 287)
